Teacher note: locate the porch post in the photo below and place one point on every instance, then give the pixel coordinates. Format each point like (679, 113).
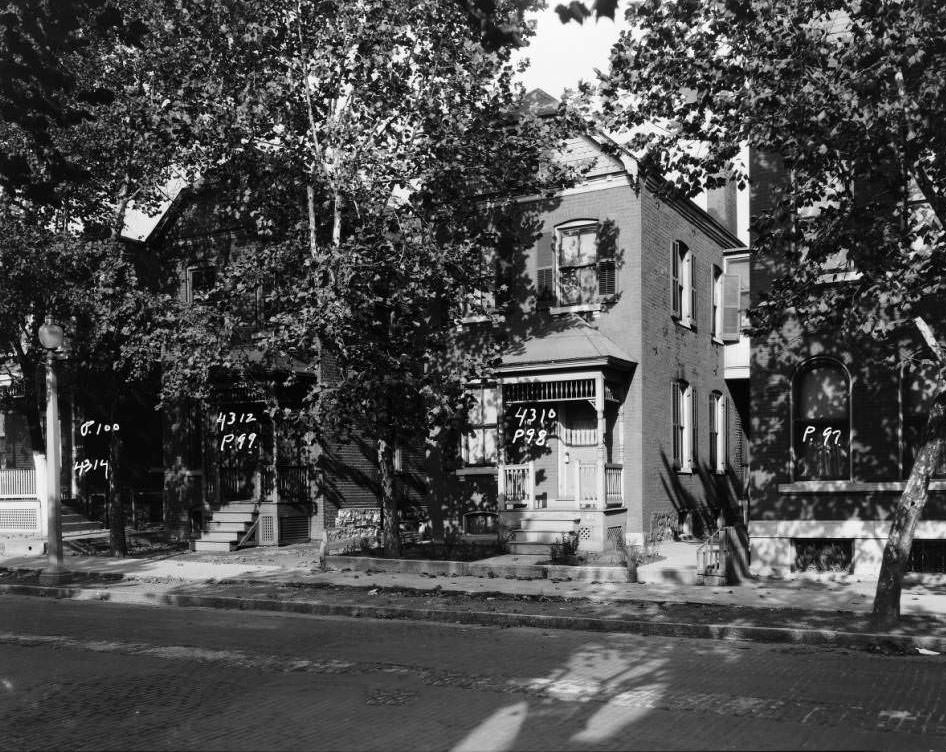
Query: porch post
(602, 449)
(500, 448)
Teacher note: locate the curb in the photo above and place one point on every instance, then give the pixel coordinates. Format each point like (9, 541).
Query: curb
(791, 635)
(480, 569)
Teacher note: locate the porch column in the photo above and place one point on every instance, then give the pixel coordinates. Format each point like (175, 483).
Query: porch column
(500, 448)
(602, 449)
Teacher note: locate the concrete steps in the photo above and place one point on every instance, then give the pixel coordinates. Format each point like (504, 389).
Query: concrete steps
(534, 531)
(73, 522)
(226, 527)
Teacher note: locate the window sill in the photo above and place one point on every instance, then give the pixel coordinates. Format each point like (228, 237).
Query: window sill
(685, 323)
(717, 340)
(684, 471)
(477, 470)
(851, 486)
(578, 308)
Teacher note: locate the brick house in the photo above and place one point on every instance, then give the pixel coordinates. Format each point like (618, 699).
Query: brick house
(835, 425)
(617, 400)
(622, 400)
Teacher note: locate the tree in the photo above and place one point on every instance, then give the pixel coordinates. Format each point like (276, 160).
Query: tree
(386, 141)
(102, 102)
(850, 96)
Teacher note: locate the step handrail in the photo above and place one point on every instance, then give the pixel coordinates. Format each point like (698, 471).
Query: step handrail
(249, 532)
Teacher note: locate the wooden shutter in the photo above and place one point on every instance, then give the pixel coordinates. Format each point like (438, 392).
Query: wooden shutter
(691, 267)
(606, 281)
(675, 281)
(676, 449)
(694, 433)
(731, 314)
(545, 268)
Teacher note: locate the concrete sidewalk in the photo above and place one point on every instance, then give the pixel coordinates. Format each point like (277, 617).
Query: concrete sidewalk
(516, 577)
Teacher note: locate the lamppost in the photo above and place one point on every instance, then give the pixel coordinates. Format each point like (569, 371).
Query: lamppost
(51, 338)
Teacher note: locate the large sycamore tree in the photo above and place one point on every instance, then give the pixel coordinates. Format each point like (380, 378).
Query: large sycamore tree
(851, 97)
(386, 142)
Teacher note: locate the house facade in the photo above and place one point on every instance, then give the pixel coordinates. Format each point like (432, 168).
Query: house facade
(836, 423)
(620, 401)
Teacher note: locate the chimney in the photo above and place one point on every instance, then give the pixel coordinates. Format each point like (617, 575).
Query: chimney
(721, 206)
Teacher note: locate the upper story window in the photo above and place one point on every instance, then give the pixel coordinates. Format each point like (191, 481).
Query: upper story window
(717, 432)
(683, 288)
(716, 321)
(478, 443)
(683, 419)
(822, 425)
(735, 298)
(583, 269)
(919, 386)
(200, 279)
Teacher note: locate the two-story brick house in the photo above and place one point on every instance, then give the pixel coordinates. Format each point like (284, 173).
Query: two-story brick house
(615, 405)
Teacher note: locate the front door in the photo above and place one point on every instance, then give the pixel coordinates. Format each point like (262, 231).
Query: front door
(577, 451)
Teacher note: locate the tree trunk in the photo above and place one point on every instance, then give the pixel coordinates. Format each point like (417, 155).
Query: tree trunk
(907, 514)
(117, 543)
(390, 534)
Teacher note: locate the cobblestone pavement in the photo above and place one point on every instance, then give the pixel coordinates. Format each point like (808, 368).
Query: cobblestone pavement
(85, 675)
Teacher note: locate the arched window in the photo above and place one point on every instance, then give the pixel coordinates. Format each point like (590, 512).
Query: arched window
(822, 426)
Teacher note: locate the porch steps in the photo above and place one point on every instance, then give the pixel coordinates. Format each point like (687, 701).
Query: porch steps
(73, 522)
(534, 531)
(226, 527)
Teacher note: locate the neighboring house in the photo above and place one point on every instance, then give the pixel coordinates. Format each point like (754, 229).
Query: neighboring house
(835, 426)
(616, 403)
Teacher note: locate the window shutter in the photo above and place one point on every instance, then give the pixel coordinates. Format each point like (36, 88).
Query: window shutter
(691, 266)
(677, 450)
(545, 268)
(675, 282)
(694, 434)
(606, 281)
(724, 411)
(731, 297)
(545, 285)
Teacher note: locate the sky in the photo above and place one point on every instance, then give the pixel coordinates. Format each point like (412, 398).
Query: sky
(563, 54)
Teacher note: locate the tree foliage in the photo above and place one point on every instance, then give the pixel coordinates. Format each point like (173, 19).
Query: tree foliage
(383, 144)
(847, 97)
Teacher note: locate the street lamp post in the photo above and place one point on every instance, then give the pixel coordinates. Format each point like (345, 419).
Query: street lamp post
(51, 338)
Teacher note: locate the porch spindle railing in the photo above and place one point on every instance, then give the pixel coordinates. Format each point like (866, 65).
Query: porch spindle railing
(614, 484)
(518, 483)
(17, 483)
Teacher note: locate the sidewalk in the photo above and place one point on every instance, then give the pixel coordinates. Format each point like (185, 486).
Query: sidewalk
(288, 579)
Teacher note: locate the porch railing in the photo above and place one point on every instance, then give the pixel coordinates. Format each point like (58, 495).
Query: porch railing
(293, 482)
(518, 483)
(237, 483)
(613, 484)
(17, 484)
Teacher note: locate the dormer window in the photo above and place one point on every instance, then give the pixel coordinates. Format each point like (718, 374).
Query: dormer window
(583, 270)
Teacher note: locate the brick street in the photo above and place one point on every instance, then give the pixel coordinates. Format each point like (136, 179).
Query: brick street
(85, 675)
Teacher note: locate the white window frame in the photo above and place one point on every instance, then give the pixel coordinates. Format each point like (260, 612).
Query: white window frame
(716, 322)
(719, 442)
(685, 263)
(682, 427)
(481, 429)
(576, 226)
(191, 271)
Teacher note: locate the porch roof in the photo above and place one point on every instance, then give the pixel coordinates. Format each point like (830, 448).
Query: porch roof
(568, 344)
